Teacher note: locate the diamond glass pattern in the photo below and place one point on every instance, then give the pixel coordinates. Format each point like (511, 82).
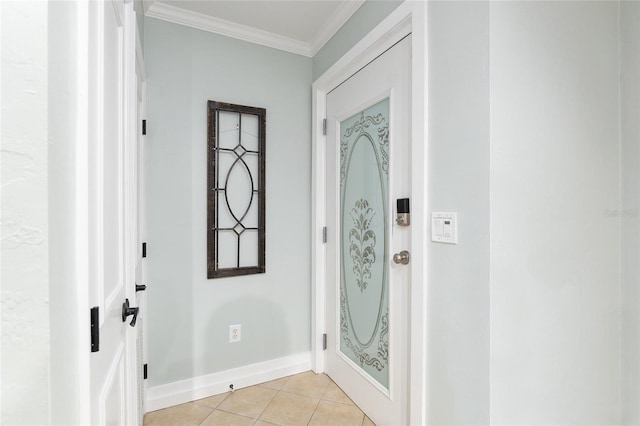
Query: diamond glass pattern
(236, 196)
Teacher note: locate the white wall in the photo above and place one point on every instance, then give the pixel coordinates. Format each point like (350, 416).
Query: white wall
(458, 276)
(25, 244)
(68, 292)
(555, 250)
(189, 315)
(630, 208)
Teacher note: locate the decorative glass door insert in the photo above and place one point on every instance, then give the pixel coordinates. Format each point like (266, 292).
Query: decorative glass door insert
(364, 223)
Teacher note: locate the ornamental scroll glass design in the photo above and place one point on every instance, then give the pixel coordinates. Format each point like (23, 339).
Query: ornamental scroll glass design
(364, 294)
(236, 190)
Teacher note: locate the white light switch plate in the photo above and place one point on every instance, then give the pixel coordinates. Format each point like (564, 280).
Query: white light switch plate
(444, 227)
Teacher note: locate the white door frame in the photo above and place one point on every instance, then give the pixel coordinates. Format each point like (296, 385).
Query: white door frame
(140, 100)
(131, 203)
(409, 17)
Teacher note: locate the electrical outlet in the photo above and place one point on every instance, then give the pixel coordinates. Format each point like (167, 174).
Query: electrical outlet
(235, 333)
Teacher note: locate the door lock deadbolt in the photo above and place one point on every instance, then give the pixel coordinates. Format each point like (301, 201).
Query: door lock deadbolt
(403, 216)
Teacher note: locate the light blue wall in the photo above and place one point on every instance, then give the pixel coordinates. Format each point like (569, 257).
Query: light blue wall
(532, 161)
(555, 249)
(370, 14)
(630, 207)
(458, 276)
(189, 315)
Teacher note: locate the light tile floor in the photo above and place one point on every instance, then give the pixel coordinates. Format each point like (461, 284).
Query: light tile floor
(303, 399)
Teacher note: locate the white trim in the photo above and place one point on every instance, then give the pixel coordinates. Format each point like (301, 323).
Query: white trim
(163, 396)
(139, 105)
(200, 21)
(81, 210)
(335, 22)
(130, 222)
(409, 16)
(139, 54)
(419, 237)
(146, 4)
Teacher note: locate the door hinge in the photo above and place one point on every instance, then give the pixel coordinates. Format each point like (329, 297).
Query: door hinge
(144, 249)
(324, 126)
(324, 342)
(145, 372)
(144, 127)
(324, 234)
(95, 329)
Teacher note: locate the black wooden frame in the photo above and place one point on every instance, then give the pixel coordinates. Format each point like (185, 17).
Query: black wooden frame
(213, 188)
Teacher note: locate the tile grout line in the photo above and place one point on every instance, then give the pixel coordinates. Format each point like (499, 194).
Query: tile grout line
(282, 390)
(320, 399)
(364, 415)
(314, 411)
(235, 414)
(229, 412)
(268, 404)
(212, 411)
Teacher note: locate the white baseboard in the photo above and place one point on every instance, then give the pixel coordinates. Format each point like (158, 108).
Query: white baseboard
(175, 393)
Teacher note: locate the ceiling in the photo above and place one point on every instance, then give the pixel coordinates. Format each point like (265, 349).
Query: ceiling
(297, 26)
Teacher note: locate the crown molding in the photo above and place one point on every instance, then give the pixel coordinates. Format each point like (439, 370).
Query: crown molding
(208, 23)
(177, 15)
(336, 21)
(146, 4)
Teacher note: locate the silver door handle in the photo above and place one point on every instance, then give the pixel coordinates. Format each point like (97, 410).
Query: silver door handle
(402, 258)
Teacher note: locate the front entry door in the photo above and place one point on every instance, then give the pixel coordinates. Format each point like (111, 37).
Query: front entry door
(368, 169)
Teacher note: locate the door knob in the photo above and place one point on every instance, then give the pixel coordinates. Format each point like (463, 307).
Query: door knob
(402, 258)
(127, 310)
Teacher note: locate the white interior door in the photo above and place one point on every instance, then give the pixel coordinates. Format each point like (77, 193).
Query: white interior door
(112, 225)
(368, 169)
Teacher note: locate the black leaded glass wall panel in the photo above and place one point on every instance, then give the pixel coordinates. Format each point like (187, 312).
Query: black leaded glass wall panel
(236, 190)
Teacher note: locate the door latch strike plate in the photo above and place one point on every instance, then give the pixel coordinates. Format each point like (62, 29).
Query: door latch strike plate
(324, 342)
(95, 329)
